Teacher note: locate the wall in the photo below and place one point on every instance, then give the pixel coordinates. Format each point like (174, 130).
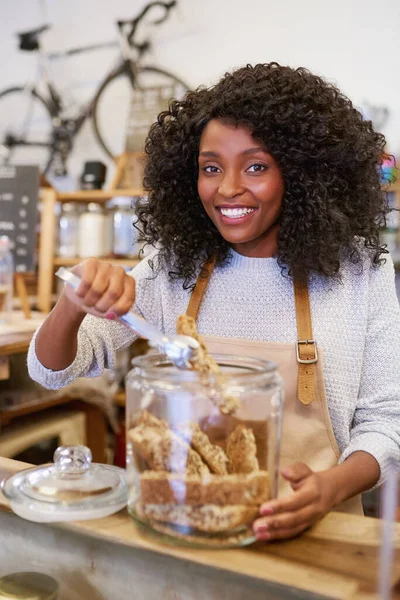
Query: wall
(352, 42)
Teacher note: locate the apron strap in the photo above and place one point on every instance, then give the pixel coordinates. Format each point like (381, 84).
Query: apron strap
(200, 287)
(306, 348)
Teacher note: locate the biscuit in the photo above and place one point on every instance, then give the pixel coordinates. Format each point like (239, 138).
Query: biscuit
(214, 456)
(205, 364)
(241, 451)
(163, 450)
(168, 488)
(209, 518)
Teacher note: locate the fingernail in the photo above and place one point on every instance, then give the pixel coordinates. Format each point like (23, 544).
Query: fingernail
(111, 315)
(263, 536)
(266, 510)
(286, 472)
(261, 528)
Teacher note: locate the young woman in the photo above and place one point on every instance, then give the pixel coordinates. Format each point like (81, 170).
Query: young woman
(272, 178)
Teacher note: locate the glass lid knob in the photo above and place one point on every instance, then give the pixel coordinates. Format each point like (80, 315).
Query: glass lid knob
(72, 460)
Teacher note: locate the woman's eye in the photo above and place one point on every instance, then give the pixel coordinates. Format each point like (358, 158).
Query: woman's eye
(211, 169)
(256, 168)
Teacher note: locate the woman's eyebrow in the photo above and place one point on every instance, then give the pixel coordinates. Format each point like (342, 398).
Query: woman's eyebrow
(212, 154)
(256, 150)
(209, 153)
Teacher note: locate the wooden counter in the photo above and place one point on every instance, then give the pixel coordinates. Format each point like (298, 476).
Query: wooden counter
(15, 338)
(114, 558)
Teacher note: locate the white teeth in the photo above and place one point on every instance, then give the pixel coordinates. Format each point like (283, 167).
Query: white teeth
(236, 213)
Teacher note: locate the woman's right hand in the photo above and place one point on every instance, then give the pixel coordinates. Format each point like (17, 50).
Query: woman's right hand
(105, 290)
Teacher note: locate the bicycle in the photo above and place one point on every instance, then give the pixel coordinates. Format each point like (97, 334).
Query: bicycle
(46, 128)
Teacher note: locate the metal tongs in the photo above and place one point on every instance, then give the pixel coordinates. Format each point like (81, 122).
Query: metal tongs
(180, 349)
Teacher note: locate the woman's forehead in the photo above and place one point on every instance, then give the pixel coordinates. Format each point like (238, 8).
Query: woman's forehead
(223, 135)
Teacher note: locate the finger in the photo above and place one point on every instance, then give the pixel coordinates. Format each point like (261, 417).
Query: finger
(282, 534)
(295, 473)
(114, 291)
(87, 272)
(126, 301)
(288, 520)
(99, 285)
(293, 501)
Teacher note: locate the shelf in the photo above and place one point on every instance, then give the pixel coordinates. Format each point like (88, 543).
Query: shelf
(104, 195)
(6, 416)
(59, 261)
(96, 422)
(17, 343)
(394, 187)
(97, 195)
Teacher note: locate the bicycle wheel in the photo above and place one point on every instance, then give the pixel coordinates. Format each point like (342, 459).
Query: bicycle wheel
(113, 113)
(25, 128)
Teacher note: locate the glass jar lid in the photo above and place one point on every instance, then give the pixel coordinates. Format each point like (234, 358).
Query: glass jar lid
(69, 207)
(71, 489)
(94, 207)
(28, 586)
(122, 202)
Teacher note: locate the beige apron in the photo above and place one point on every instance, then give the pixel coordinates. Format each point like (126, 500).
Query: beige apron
(307, 434)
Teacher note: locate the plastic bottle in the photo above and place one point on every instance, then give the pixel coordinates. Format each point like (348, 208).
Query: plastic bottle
(6, 280)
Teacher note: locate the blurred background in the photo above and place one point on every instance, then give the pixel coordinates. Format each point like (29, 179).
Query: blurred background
(353, 43)
(85, 204)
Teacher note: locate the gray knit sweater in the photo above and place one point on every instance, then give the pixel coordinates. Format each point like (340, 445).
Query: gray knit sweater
(356, 321)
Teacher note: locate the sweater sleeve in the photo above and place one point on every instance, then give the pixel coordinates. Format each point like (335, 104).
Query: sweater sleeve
(376, 421)
(98, 339)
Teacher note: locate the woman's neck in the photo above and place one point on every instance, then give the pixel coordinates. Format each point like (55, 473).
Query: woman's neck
(264, 246)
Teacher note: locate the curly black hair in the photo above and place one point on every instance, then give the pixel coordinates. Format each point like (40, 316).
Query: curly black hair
(330, 158)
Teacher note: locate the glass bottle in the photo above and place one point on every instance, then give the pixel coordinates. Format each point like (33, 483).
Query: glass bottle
(202, 449)
(6, 279)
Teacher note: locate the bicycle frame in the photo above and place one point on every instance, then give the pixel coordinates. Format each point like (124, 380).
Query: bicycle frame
(52, 97)
(129, 61)
(64, 127)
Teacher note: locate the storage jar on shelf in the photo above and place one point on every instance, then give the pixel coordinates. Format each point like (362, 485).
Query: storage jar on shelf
(125, 235)
(95, 232)
(68, 230)
(6, 280)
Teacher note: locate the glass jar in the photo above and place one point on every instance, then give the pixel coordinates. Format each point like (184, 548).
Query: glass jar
(68, 233)
(6, 280)
(95, 237)
(125, 234)
(202, 450)
(108, 232)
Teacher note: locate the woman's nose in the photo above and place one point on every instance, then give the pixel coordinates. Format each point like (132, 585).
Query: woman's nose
(231, 185)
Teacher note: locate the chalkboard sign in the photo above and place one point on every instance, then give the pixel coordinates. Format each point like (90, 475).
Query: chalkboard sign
(19, 186)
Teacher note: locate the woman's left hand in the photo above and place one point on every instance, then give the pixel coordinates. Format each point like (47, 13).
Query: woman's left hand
(313, 496)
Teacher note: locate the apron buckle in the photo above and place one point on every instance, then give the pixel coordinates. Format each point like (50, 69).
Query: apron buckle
(306, 361)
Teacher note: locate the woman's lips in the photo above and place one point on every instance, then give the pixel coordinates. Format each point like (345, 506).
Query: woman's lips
(235, 215)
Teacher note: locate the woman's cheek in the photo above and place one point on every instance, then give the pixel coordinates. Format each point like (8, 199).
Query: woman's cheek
(205, 193)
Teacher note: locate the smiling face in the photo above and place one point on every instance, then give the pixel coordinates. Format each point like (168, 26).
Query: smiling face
(241, 188)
